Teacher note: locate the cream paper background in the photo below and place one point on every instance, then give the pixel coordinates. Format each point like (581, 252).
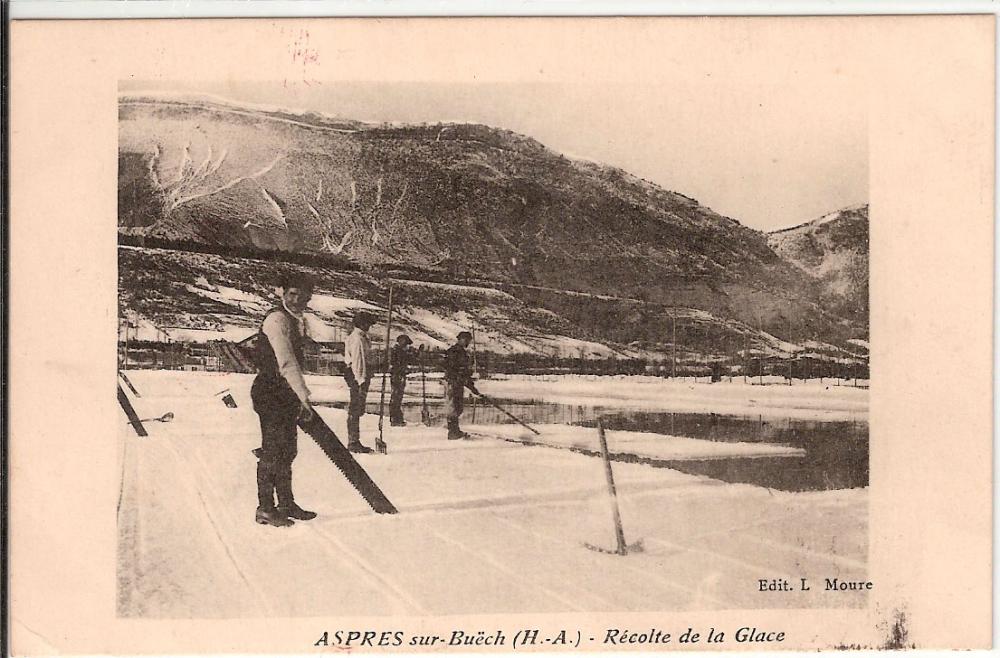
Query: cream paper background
(929, 84)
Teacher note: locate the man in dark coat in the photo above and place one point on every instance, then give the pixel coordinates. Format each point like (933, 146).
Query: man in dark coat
(457, 376)
(280, 397)
(399, 364)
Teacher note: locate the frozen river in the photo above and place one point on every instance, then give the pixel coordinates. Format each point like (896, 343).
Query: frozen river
(490, 511)
(833, 453)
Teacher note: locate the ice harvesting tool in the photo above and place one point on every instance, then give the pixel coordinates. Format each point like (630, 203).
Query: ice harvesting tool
(165, 418)
(227, 398)
(517, 420)
(346, 463)
(133, 418)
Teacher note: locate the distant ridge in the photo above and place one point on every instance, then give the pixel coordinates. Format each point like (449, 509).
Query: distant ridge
(465, 200)
(833, 250)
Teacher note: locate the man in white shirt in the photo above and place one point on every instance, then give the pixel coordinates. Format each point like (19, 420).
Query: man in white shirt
(280, 397)
(358, 374)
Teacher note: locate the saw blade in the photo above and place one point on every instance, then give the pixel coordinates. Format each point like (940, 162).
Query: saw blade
(347, 464)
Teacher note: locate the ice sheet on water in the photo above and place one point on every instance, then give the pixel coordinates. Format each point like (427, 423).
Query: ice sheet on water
(189, 548)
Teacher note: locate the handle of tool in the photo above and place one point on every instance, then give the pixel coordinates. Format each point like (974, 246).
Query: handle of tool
(425, 413)
(517, 420)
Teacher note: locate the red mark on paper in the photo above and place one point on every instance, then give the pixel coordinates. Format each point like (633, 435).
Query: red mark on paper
(304, 55)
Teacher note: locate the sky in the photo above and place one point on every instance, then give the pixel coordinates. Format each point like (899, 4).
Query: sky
(766, 152)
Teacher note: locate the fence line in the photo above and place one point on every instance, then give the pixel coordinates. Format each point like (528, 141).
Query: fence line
(223, 356)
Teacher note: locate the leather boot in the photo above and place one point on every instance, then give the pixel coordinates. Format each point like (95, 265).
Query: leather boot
(283, 486)
(273, 516)
(353, 430)
(265, 486)
(453, 430)
(286, 499)
(354, 436)
(293, 511)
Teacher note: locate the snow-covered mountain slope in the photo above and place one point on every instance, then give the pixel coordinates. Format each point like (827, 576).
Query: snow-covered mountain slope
(466, 200)
(193, 297)
(833, 249)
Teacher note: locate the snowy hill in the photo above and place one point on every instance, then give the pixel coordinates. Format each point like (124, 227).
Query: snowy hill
(181, 296)
(464, 200)
(833, 249)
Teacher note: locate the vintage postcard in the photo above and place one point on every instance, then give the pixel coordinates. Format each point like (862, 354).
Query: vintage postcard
(501, 334)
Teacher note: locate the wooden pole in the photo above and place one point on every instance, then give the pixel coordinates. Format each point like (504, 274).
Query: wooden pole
(514, 418)
(425, 414)
(673, 343)
(475, 361)
(746, 357)
(616, 514)
(380, 441)
(125, 366)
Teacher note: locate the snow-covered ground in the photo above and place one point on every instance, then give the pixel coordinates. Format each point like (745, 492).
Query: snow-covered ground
(511, 519)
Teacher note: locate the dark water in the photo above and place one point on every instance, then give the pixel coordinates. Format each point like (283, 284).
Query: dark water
(836, 452)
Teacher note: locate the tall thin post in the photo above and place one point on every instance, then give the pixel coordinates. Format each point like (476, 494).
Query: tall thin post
(380, 442)
(616, 514)
(425, 414)
(475, 361)
(746, 357)
(673, 343)
(125, 366)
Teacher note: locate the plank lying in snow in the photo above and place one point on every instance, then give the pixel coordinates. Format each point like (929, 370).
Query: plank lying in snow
(642, 447)
(133, 419)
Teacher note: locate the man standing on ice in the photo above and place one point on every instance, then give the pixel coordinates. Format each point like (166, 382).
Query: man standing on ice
(280, 397)
(357, 357)
(399, 363)
(457, 376)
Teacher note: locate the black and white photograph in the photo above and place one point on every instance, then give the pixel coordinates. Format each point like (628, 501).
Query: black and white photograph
(527, 341)
(495, 334)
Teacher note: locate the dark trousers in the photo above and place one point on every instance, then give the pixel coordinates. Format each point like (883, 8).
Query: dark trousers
(278, 409)
(454, 403)
(355, 410)
(396, 400)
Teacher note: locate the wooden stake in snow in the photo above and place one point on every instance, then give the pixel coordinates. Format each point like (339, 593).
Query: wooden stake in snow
(425, 413)
(617, 517)
(380, 446)
(746, 356)
(673, 344)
